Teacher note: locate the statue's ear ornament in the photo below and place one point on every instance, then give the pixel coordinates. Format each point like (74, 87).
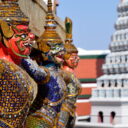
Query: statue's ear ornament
(43, 46)
(6, 30)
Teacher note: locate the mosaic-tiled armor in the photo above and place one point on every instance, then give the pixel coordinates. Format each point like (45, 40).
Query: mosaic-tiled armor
(67, 114)
(51, 93)
(17, 91)
(51, 86)
(17, 88)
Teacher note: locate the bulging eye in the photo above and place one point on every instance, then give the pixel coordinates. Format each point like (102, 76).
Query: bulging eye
(23, 36)
(57, 48)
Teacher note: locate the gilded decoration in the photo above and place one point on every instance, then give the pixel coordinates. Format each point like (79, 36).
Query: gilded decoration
(50, 35)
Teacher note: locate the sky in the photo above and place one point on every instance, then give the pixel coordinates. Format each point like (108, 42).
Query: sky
(93, 21)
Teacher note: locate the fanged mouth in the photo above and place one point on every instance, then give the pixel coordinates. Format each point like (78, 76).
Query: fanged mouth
(29, 43)
(60, 56)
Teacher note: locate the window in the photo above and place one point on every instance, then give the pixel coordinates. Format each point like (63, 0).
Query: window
(109, 85)
(125, 35)
(115, 83)
(102, 85)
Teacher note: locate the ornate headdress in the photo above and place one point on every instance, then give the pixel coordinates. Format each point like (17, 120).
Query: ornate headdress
(69, 46)
(11, 13)
(50, 35)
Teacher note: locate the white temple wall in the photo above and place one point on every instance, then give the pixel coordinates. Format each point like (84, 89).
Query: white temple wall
(121, 112)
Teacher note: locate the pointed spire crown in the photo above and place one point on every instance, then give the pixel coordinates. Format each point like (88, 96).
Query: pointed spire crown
(49, 6)
(68, 28)
(11, 13)
(50, 34)
(69, 46)
(50, 22)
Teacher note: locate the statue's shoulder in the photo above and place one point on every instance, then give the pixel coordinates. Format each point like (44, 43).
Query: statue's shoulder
(65, 75)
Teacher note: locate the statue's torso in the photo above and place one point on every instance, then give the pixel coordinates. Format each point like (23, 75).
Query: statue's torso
(48, 102)
(72, 82)
(73, 91)
(55, 89)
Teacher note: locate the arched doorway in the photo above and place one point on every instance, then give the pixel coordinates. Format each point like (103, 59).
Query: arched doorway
(112, 117)
(100, 117)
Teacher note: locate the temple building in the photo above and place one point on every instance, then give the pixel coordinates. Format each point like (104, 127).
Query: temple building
(110, 98)
(89, 68)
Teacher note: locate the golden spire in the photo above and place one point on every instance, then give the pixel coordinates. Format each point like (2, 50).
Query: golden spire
(50, 35)
(50, 22)
(10, 12)
(49, 5)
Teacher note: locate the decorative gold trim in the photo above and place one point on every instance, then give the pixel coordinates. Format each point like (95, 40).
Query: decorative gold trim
(57, 102)
(39, 116)
(6, 123)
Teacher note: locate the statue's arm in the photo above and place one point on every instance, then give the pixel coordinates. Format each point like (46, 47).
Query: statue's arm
(38, 73)
(67, 113)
